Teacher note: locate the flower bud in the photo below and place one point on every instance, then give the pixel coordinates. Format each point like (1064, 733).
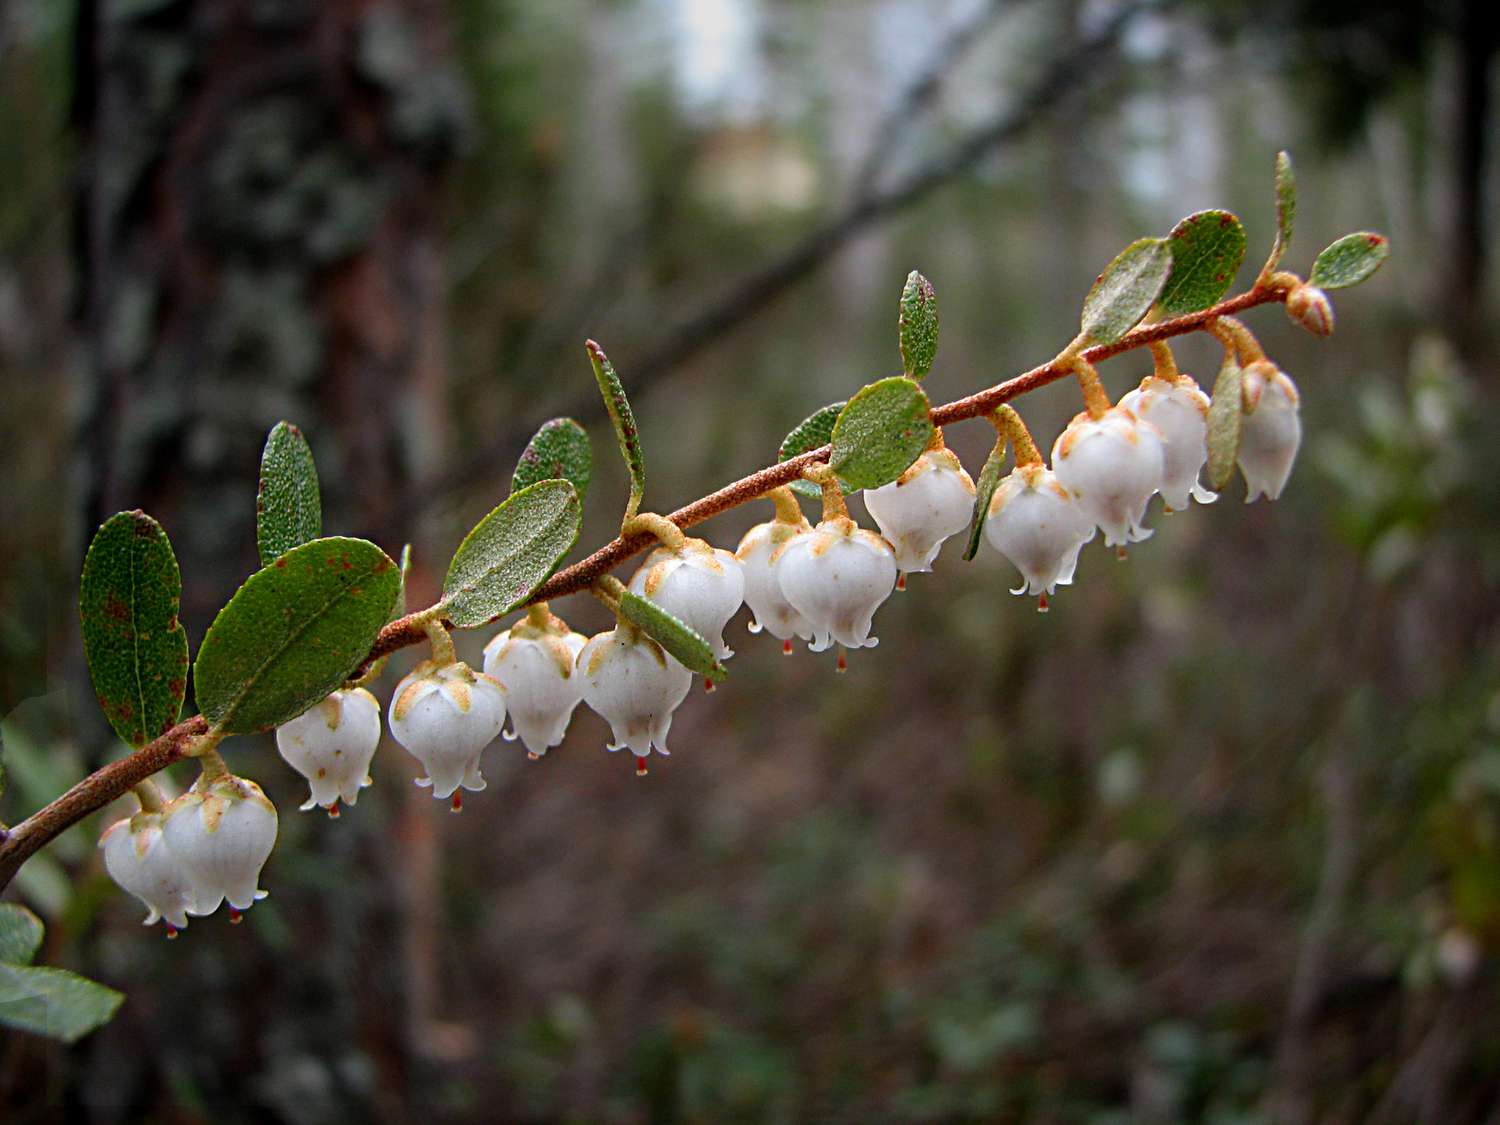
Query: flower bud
(1270, 432)
(1310, 308)
(635, 686)
(700, 585)
(1037, 524)
(759, 555)
(138, 860)
(837, 576)
(1179, 411)
(534, 664)
(1112, 465)
(221, 831)
(331, 744)
(932, 500)
(445, 715)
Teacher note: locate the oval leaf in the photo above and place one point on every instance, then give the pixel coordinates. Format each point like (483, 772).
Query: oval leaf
(813, 432)
(54, 1002)
(20, 934)
(1224, 418)
(511, 552)
(293, 632)
(1126, 290)
(1207, 249)
(288, 508)
(558, 451)
(984, 491)
(1286, 207)
(136, 648)
(919, 325)
(1349, 260)
(682, 642)
(617, 405)
(882, 430)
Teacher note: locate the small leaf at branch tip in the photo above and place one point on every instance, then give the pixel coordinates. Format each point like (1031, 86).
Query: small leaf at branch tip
(682, 642)
(1126, 290)
(399, 609)
(1207, 249)
(621, 417)
(984, 491)
(918, 325)
(1225, 418)
(1286, 206)
(882, 430)
(1349, 260)
(559, 450)
(511, 552)
(288, 506)
(813, 432)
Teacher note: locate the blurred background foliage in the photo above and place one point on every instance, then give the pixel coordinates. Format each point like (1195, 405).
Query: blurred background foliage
(1218, 839)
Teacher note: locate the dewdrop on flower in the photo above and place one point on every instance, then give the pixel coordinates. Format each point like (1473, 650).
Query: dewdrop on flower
(534, 663)
(1037, 524)
(445, 715)
(635, 686)
(1270, 432)
(700, 585)
(929, 502)
(759, 555)
(138, 860)
(1178, 409)
(837, 576)
(1112, 465)
(221, 832)
(332, 744)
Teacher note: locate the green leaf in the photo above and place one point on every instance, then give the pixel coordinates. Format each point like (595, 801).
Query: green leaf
(813, 432)
(1349, 260)
(20, 934)
(984, 491)
(399, 609)
(680, 640)
(1286, 206)
(293, 632)
(54, 1002)
(127, 606)
(1225, 415)
(288, 509)
(511, 552)
(881, 431)
(622, 418)
(919, 325)
(558, 451)
(1207, 249)
(1126, 290)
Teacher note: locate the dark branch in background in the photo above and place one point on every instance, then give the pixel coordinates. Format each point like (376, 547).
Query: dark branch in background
(1071, 73)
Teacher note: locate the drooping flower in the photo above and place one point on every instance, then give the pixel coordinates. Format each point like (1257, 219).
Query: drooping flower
(534, 662)
(445, 715)
(138, 860)
(1112, 465)
(837, 576)
(331, 744)
(221, 832)
(1037, 524)
(701, 585)
(1178, 409)
(630, 681)
(759, 555)
(1270, 432)
(932, 500)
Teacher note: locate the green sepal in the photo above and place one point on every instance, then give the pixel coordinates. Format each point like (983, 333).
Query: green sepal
(511, 552)
(882, 430)
(293, 633)
(1126, 290)
(1349, 260)
(1225, 417)
(617, 405)
(919, 325)
(558, 451)
(682, 642)
(137, 650)
(1207, 250)
(813, 432)
(288, 507)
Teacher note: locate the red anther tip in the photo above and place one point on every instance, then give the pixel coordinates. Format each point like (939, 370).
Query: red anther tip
(1120, 553)
(333, 811)
(172, 932)
(235, 917)
(901, 581)
(458, 801)
(1042, 604)
(640, 767)
(786, 647)
(533, 756)
(708, 686)
(843, 664)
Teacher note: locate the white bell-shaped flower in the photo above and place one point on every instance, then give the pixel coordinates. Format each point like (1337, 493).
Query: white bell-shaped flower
(700, 585)
(332, 744)
(1037, 524)
(932, 500)
(635, 686)
(837, 576)
(534, 662)
(1270, 432)
(138, 860)
(759, 555)
(445, 715)
(1178, 409)
(1112, 465)
(221, 831)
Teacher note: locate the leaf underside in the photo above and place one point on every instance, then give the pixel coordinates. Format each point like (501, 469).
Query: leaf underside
(50, 1002)
(918, 326)
(1349, 260)
(1126, 290)
(984, 491)
(682, 642)
(621, 417)
(511, 552)
(288, 507)
(1225, 417)
(813, 432)
(1286, 206)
